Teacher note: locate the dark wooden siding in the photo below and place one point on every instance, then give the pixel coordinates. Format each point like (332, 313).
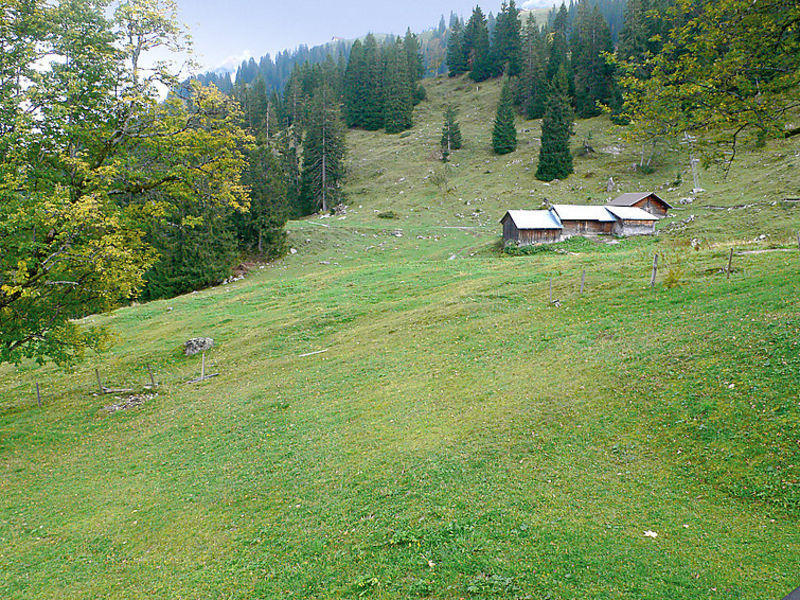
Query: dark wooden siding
(653, 205)
(586, 227)
(625, 227)
(510, 231)
(538, 236)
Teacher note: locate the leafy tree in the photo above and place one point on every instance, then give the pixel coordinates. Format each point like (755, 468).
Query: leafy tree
(555, 159)
(729, 70)
(451, 132)
(504, 134)
(98, 159)
(323, 153)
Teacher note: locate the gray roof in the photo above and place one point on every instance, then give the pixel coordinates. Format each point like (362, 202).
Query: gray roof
(631, 213)
(583, 212)
(632, 198)
(533, 219)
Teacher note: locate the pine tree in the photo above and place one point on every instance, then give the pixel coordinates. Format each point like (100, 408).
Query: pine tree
(323, 152)
(451, 132)
(398, 102)
(504, 134)
(555, 158)
(416, 68)
(456, 62)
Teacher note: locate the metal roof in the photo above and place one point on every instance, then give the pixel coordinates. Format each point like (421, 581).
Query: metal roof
(631, 213)
(533, 219)
(583, 212)
(631, 198)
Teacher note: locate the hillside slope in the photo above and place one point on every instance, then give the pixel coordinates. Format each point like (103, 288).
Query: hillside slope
(453, 434)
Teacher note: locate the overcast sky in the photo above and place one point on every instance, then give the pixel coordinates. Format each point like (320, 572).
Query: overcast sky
(225, 32)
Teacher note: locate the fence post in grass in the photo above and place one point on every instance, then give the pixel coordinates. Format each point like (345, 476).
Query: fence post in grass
(551, 290)
(203, 366)
(99, 382)
(655, 270)
(38, 396)
(152, 379)
(730, 260)
(583, 281)
(798, 239)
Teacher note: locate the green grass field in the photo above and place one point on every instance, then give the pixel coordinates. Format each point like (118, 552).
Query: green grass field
(460, 437)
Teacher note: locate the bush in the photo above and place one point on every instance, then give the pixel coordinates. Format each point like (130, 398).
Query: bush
(388, 214)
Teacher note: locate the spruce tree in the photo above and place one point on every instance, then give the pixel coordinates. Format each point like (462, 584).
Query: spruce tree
(555, 158)
(398, 102)
(476, 45)
(451, 132)
(593, 76)
(532, 84)
(372, 116)
(355, 86)
(504, 134)
(456, 61)
(323, 152)
(507, 41)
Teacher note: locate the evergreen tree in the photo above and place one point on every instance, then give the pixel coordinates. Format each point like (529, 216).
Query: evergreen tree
(398, 102)
(355, 86)
(476, 46)
(456, 55)
(451, 132)
(504, 134)
(532, 84)
(263, 225)
(415, 66)
(323, 152)
(507, 41)
(593, 75)
(555, 158)
(372, 115)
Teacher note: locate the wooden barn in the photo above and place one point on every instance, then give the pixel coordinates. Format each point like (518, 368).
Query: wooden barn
(583, 219)
(630, 220)
(526, 227)
(647, 201)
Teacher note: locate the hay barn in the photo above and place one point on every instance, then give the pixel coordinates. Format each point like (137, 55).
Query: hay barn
(647, 201)
(526, 227)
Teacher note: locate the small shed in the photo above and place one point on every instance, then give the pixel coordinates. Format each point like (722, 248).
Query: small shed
(647, 201)
(633, 221)
(578, 219)
(526, 227)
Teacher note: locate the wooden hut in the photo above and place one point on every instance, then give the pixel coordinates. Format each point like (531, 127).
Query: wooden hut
(632, 221)
(526, 227)
(647, 201)
(579, 219)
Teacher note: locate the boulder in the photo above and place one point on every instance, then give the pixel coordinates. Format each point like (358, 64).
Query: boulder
(197, 345)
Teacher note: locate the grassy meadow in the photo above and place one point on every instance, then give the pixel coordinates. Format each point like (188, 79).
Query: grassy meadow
(454, 435)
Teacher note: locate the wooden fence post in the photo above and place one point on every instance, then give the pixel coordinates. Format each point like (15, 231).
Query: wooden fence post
(655, 270)
(551, 290)
(99, 383)
(730, 260)
(203, 367)
(38, 396)
(152, 379)
(583, 281)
